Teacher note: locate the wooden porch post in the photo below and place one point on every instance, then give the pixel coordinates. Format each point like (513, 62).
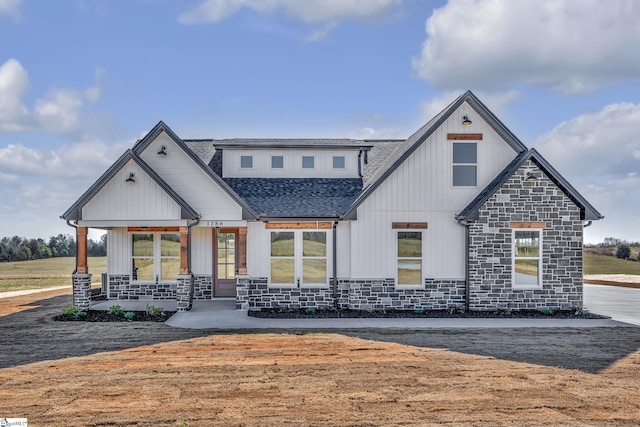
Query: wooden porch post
(81, 248)
(242, 251)
(184, 250)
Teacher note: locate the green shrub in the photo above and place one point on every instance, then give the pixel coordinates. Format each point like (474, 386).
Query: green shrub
(152, 310)
(75, 312)
(310, 310)
(115, 310)
(546, 311)
(129, 315)
(623, 252)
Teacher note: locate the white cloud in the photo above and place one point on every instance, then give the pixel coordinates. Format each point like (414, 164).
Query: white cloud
(368, 132)
(597, 153)
(564, 45)
(328, 12)
(14, 83)
(603, 143)
(10, 8)
(58, 112)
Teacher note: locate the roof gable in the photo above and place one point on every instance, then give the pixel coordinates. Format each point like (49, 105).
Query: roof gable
(588, 212)
(75, 211)
(141, 145)
(408, 147)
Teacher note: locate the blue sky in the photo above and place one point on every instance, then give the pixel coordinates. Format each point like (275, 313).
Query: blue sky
(81, 80)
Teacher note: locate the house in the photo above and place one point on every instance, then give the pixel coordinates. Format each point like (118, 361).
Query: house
(460, 214)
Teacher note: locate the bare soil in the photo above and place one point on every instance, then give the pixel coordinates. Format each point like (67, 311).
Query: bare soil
(149, 374)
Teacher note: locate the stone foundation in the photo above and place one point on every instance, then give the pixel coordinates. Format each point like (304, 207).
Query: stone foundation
(121, 288)
(366, 294)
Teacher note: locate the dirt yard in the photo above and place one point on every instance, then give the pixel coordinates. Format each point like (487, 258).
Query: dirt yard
(135, 374)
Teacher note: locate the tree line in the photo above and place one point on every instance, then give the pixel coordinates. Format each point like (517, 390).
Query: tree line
(18, 248)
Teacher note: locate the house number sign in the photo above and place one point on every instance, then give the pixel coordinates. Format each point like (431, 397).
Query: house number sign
(214, 223)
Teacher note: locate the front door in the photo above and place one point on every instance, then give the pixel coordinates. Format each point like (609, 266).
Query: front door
(225, 262)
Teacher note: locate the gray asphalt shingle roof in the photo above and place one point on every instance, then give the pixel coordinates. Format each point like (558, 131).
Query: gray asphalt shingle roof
(297, 197)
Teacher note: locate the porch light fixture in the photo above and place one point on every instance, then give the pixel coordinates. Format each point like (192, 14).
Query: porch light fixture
(163, 151)
(466, 120)
(531, 177)
(130, 179)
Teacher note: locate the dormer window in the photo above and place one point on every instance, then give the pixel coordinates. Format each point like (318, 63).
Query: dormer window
(308, 162)
(246, 162)
(338, 162)
(277, 162)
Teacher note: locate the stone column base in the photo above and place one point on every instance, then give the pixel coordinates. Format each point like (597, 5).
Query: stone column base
(81, 291)
(184, 293)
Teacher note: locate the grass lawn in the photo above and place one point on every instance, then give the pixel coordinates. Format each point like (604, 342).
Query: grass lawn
(602, 264)
(44, 273)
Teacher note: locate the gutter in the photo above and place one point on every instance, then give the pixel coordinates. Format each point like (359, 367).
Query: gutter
(76, 228)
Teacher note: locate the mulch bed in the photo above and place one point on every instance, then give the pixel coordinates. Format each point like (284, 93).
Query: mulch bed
(103, 316)
(282, 313)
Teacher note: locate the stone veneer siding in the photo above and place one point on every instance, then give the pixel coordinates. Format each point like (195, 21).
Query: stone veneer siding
(121, 288)
(81, 291)
(365, 294)
(202, 287)
(490, 246)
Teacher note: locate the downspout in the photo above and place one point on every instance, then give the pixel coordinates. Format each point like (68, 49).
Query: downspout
(465, 223)
(189, 242)
(360, 163)
(335, 265)
(588, 224)
(76, 228)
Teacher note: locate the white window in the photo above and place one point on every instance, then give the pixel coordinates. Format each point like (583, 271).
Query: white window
(409, 258)
(465, 164)
(155, 256)
(527, 258)
(308, 162)
(277, 162)
(246, 162)
(338, 162)
(298, 258)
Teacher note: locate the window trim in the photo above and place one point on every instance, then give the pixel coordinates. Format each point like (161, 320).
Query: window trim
(421, 285)
(157, 257)
(244, 156)
(539, 258)
(298, 260)
(454, 164)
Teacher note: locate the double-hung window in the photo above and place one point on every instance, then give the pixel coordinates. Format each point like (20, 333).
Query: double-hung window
(155, 256)
(527, 258)
(298, 258)
(465, 164)
(409, 258)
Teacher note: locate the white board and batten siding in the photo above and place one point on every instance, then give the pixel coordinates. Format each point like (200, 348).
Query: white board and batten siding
(202, 250)
(193, 184)
(118, 251)
(421, 190)
(121, 200)
(292, 163)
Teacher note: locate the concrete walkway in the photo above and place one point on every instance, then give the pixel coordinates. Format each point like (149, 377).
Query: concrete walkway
(620, 303)
(222, 315)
